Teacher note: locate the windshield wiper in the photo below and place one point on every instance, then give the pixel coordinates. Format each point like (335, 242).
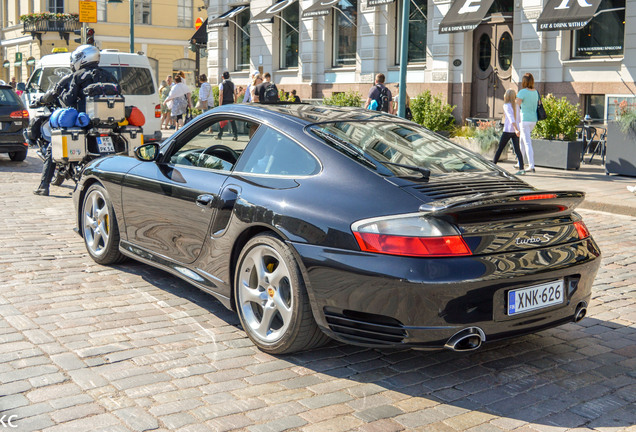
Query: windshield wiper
(426, 173)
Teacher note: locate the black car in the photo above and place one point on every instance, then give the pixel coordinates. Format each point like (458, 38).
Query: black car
(13, 119)
(313, 221)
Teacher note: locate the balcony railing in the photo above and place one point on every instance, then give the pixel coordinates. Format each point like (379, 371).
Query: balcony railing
(64, 28)
(51, 26)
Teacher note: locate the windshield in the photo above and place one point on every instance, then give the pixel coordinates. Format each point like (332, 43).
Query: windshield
(401, 143)
(45, 79)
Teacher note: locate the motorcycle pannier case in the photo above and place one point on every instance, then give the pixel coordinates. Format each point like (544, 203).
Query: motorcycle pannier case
(135, 137)
(106, 109)
(68, 145)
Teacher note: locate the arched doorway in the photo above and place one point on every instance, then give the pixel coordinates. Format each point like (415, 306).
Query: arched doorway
(186, 65)
(492, 61)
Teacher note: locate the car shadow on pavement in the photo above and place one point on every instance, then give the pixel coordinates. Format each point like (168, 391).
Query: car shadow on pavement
(32, 164)
(576, 375)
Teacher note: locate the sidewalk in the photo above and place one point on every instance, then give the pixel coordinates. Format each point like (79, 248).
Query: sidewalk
(603, 192)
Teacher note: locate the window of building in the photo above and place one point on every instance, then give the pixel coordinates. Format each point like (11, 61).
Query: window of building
(143, 12)
(417, 31)
(289, 25)
(56, 6)
(594, 106)
(242, 37)
(184, 13)
(604, 35)
(101, 10)
(345, 22)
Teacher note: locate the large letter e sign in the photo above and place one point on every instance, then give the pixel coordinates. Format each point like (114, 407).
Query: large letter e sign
(469, 7)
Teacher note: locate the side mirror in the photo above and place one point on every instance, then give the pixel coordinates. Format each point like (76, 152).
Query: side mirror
(147, 152)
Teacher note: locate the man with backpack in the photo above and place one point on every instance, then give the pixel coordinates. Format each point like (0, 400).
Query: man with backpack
(227, 95)
(380, 96)
(267, 91)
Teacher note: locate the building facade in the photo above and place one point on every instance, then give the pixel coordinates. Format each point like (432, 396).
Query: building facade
(162, 31)
(581, 49)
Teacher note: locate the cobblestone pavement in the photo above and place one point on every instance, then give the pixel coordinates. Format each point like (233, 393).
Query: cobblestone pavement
(90, 348)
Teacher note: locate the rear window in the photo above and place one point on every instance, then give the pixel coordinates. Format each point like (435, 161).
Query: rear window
(133, 80)
(375, 142)
(8, 97)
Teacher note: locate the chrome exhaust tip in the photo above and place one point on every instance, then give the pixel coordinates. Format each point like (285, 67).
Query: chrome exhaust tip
(581, 311)
(468, 339)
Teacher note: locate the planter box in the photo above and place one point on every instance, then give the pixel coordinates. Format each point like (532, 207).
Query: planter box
(473, 146)
(557, 154)
(621, 151)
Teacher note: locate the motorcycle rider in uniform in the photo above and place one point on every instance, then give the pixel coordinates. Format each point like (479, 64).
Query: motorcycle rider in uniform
(48, 169)
(85, 61)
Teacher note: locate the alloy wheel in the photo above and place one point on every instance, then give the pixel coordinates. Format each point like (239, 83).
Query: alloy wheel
(265, 293)
(96, 222)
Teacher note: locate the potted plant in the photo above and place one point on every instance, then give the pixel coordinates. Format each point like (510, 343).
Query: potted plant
(482, 139)
(621, 141)
(433, 113)
(554, 139)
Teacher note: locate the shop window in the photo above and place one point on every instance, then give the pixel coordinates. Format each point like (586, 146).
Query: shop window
(594, 106)
(55, 6)
(345, 29)
(417, 31)
(143, 12)
(604, 35)
(289, 25)
(242, 38)
(184, 13)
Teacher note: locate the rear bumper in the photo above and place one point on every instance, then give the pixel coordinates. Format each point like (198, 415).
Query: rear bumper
(380, 300)
(13, 141)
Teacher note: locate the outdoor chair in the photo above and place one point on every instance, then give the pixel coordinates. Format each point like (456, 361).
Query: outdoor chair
(600, 146)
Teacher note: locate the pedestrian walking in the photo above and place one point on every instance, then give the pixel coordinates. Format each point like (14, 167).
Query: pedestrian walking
(227, 95)
(180, 97)
(248, 91)
(397, 101)
(511, 131)
(380, 96)
(267, 91)
(528, 100)
(13, 83)
(256, 80)
(294, 97)
(206, 97)
(164, 90)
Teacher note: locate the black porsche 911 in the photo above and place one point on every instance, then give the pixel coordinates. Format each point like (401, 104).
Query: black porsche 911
(315, 221)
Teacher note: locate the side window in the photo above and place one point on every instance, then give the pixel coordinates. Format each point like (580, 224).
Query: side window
(217, 145)
(271, 152)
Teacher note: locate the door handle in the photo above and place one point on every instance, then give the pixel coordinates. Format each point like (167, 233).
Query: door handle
(204, 200)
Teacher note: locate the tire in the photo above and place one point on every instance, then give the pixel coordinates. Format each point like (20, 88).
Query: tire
(271, 298)
(58, 177)
(99, 227)
(18, 156)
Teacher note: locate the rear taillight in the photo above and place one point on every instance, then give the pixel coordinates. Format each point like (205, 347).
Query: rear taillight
(158, 111)
(22, 114)
(537, 197)
(581, 229)
(410, 235)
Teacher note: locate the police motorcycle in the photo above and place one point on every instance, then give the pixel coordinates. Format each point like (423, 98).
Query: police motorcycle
(78, 138)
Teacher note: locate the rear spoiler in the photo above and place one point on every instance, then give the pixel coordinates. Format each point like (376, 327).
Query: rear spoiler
(510, 205)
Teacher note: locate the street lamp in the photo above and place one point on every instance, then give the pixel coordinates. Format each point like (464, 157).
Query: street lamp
(132, 22)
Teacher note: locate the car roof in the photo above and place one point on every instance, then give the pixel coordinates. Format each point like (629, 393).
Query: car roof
(306, 114)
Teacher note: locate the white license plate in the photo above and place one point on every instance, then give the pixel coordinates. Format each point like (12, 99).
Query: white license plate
(105, 145)
(535, 297)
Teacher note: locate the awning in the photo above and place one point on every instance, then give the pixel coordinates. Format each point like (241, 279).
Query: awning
(567, 14)
(464, 15)
(200, 36)
(371, 3)
(6, 64)
(30, 61)
(321, 7)
(268, 14)
(222, 20)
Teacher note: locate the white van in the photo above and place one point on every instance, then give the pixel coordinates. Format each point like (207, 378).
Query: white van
(133, 72)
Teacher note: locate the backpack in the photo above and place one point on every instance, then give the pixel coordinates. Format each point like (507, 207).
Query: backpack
(383, 99)
(271, 93)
